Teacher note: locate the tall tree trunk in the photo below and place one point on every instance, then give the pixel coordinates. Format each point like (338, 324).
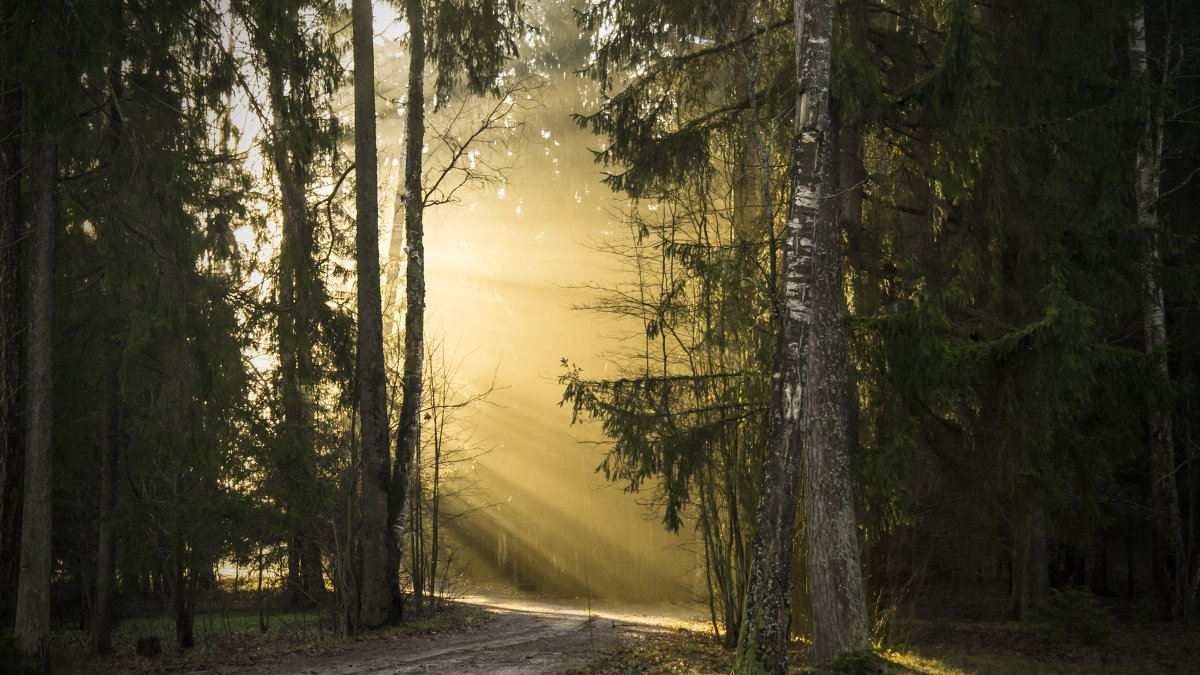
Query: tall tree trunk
(1170, 563)
(11, 451)
(839, 612)
(375, 598)
(290, 343)
(106, 549)
(810, 353)
(33, 592)
(836, 597)
(1031, 563)
(312, 572)
(183, 605)
(762, 642)
(394, 227)
(416, 540)
(435, 504)
(408, 437)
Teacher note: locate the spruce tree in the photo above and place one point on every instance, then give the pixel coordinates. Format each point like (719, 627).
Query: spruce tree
(698, 140)
(301, 67)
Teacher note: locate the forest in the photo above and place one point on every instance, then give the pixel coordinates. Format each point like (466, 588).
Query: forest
(891, 316)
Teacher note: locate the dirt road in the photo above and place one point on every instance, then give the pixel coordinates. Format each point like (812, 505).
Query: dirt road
(525, 637)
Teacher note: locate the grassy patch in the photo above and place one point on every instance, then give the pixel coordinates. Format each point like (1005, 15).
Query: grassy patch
(235, 639)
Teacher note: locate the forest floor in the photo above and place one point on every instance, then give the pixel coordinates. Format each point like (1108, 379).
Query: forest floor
(942, 648)
(500, 635)
(517, 636)
(505, 635)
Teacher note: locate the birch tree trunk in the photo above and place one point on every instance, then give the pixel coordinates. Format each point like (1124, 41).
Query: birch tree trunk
(408, 437)
(375, 597)
(762, 643)
(1170, 563)
(395, 246)
(33, 586)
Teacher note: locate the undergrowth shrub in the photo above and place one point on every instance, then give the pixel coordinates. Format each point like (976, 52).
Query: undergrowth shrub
(1073, 615)
(857, 662)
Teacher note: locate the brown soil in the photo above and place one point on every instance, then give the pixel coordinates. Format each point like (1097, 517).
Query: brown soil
(522, 636)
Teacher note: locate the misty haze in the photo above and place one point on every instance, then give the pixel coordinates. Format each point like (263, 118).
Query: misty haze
(599, 336)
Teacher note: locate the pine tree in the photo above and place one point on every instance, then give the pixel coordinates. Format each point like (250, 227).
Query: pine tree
(148, 307)
(32, 631)
(986, 313)
(33, 592)
(697, 139)
(376, 595)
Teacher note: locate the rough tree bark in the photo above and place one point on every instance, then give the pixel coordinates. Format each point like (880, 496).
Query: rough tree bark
(1030, 563)
(836, 596)
(808, 394)
(762, 642)
(106, 550)
(33, 587)
(409, 434)
(1171, 564)
(839, 612)
(11, 451)
(763, 637)
(375, 597)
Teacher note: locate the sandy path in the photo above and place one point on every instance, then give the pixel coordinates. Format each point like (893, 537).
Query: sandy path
(525, 637)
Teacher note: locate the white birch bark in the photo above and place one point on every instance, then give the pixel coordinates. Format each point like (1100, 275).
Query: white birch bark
(1172, 566)
(394, 227)
(834, 575)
